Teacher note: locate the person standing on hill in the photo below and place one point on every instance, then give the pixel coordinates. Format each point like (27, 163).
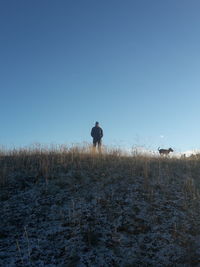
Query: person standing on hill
(97, 134)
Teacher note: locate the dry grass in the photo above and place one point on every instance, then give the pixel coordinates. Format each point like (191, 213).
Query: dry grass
(47, 163)
(158, 185)
(42, 162)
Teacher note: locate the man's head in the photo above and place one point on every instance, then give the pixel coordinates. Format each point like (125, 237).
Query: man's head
(97, 124)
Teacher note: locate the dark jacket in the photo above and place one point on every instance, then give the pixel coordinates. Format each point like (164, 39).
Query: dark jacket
(97, 133)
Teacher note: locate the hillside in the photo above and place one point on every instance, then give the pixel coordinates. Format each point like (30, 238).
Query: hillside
(68, 207)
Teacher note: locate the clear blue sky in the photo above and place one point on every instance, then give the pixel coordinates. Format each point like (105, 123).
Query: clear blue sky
(133, 65)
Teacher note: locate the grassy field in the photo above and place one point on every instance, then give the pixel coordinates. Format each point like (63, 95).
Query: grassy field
(70, 207)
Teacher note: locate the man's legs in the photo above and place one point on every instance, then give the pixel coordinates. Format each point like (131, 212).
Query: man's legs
(94, 145)
(99, 146)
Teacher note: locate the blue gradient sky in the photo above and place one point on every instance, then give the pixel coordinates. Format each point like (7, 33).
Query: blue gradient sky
(132, 65)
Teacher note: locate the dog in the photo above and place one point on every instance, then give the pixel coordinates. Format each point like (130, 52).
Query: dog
(165, 151)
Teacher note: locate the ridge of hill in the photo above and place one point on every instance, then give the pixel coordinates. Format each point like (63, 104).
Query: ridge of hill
(74, 208)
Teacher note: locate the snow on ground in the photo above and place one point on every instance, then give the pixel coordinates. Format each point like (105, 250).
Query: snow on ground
(100, 217)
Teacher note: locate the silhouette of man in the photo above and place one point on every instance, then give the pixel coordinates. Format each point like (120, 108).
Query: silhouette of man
(97, 134)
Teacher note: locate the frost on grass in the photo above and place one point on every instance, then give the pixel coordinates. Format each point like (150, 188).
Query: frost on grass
(65, 209)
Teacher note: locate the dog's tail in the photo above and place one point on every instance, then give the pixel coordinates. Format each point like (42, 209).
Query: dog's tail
(159, 149)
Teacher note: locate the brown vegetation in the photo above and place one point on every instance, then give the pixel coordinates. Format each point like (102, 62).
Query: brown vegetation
(142, 205)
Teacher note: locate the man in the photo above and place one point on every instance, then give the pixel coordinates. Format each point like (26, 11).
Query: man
(97, 134)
